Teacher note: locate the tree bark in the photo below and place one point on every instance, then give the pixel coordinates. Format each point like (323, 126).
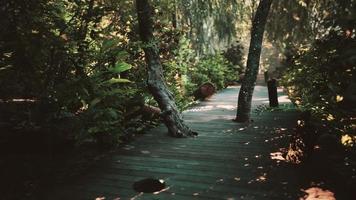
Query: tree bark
(156, 83)
(253, 61)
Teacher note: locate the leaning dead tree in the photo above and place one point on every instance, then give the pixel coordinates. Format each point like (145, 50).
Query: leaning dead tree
(155, 80)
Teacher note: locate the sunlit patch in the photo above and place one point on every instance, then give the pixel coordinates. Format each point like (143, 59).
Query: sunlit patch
(277, 156)
(262, 178)
(128, 147)
(339, 98)
(295, 152)
(330, 117)
(281, 99)
(200, 109)
(163, 190)
(348, 140)
(316, 193)
(284, 99)
(228, 107)
(145, 152)
(261, 99)
(300, 123)
(220, 180)
(18, 100)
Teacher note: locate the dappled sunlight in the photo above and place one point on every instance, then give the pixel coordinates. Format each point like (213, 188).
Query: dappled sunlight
(277, 156)
(18, 100)
(178, 99)
(137, 196)
(281, 99)
(237, 179)
(200, 109)
(316, 193)
(280, 130)
(196, 194)
(262, 178)
(128, 147)
(163, 190)
(348, 140)
(258, 156)
(210, 107)
(145, 152)
(104, 198)
(227, 107)
(263, 99)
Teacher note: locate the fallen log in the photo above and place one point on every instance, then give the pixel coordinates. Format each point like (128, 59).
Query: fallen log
(143, 111)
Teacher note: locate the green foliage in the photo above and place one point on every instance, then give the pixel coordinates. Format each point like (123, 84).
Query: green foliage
(234, 54)
(215, 69)
(185, 72)
(321, 78)
(71, 56)
(83, 59)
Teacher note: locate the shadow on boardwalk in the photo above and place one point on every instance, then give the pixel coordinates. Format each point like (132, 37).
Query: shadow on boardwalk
(226, 161)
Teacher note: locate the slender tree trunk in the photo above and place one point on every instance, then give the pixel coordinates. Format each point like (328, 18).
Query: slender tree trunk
(156, 83)
(253, 61)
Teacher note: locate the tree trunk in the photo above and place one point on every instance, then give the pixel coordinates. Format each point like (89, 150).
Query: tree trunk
(156, 83)
(253, 61)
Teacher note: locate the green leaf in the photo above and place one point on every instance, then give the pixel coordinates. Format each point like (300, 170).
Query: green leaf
(94, 102)
(122, 55)
(109, 43)
(94, 130)
(112, 114)
(120, 67)
(118, 80)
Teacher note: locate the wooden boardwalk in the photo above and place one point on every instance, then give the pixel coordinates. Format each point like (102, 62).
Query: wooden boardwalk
(226, 161)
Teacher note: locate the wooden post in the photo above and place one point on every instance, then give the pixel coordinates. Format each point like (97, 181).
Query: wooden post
(266, 76)
(272, 93)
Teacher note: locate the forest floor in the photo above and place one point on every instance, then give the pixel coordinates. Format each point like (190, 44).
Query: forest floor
(227, 160)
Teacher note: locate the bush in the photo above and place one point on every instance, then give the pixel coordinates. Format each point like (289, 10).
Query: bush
(234, 54)
(321, 78)
(185, 72)
(215, 69)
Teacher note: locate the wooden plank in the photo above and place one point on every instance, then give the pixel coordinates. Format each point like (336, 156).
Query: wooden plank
(220, 163)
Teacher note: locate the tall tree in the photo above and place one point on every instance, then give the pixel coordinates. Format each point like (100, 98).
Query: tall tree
(156, 83)
(253, 61)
